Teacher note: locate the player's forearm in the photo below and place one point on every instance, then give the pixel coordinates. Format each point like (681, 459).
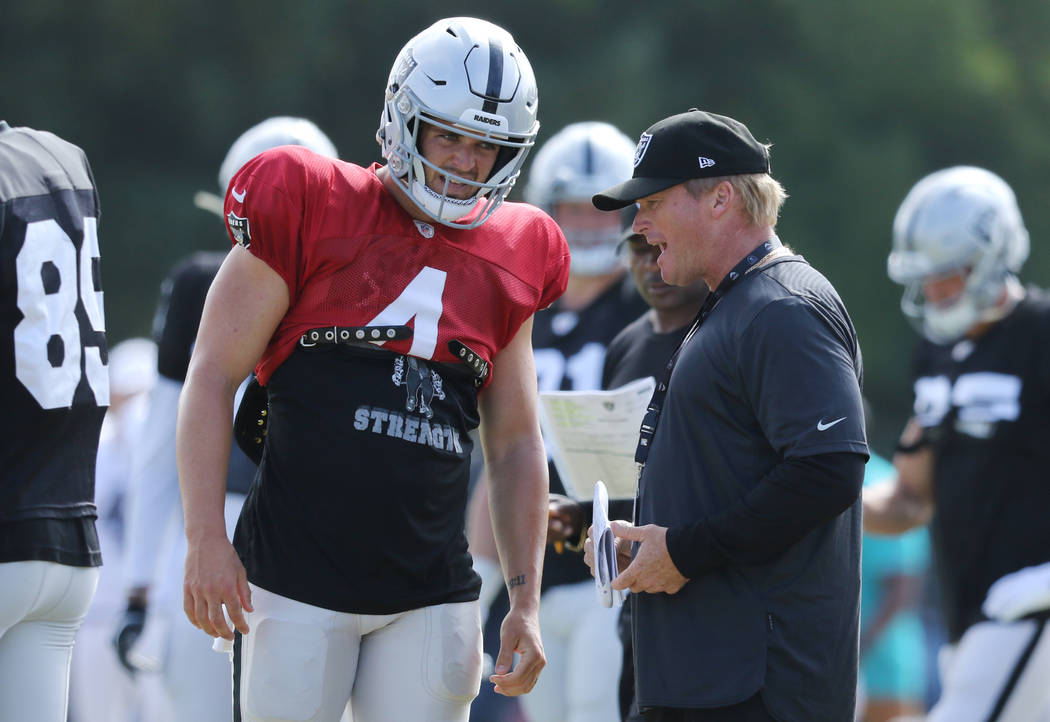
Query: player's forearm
(518, 489)
(202, 445)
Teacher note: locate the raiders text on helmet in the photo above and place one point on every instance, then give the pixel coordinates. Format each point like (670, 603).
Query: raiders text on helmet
(467, 76)
(958, 219)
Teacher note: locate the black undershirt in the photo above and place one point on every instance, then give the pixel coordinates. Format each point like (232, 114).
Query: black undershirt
(796, 496)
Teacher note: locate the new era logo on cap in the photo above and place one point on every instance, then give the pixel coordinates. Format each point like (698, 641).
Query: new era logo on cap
(721, 146)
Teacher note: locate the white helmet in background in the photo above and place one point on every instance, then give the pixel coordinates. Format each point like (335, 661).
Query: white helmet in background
(577, 162)
(467, 76)
(132, 367)
(960, 218)
(270, 133)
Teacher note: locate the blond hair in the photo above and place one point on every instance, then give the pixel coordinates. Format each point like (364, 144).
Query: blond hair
(762, 194)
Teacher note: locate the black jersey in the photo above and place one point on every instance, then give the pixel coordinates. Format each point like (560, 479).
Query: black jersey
(985, 405)
(179, 311)
(54, 382)
(395, 413)
(175, 327)
(569, 348)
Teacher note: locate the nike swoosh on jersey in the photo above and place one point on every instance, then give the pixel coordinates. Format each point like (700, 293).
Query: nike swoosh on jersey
(239, 197)
(821, 426)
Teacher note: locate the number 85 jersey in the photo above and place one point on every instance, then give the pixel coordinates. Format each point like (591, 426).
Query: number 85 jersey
(54, 385)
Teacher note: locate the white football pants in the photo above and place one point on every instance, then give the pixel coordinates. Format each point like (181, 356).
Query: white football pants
(42, 604)
(303, 663)
(998, 672)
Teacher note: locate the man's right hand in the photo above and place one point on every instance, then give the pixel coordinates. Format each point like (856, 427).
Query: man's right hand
(216, 578)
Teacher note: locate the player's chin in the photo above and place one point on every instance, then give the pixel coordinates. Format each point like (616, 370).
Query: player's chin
(463, 193)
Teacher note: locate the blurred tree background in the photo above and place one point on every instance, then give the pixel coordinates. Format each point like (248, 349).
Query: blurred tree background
(860, 99)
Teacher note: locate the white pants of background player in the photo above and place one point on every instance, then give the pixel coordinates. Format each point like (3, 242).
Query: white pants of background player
(999, 670)
(584, 657)
(100, 689)
(304, 663)
(996, 666)
(195, 682)
(41, 607)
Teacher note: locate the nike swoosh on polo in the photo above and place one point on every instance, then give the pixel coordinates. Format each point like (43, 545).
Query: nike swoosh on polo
(821, 426)
(239, 197)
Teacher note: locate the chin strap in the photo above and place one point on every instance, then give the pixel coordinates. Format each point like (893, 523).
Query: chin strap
(442, 207)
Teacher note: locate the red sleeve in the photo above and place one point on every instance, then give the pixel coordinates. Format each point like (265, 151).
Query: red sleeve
(264, 210)
(557, 279)
(557, 275)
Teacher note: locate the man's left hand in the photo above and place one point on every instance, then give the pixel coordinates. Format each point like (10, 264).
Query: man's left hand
(519, 633)
(651, 570)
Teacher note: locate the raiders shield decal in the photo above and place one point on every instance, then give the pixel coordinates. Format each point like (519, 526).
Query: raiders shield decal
(239, 229)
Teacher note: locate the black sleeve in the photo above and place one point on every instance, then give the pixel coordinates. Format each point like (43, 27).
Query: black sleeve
(796, 496)
(613, 353)
(178, 313)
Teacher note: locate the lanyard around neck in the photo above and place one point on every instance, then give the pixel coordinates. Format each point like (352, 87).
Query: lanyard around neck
(656, 403)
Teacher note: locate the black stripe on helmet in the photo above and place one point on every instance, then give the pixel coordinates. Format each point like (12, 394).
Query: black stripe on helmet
(495, 82)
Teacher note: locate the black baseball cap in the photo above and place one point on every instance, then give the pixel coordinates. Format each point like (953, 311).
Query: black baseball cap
(694, 144)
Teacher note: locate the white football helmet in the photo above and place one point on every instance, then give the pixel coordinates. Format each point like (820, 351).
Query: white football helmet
(960, 218)
(578, 161)
(270, 133)
(470, 77)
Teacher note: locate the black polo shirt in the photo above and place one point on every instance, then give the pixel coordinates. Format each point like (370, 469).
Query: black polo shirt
(773, 374)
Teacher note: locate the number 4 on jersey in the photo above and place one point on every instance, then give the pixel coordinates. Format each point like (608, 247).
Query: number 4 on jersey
(420, 300)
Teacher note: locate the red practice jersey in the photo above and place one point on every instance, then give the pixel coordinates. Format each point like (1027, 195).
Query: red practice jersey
(351, 256)
(359, 504)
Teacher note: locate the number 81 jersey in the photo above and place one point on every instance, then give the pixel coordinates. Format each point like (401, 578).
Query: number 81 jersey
(54, 384)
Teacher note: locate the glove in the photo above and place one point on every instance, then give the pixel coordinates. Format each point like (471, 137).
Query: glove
(129, 629)
(1018, 594)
